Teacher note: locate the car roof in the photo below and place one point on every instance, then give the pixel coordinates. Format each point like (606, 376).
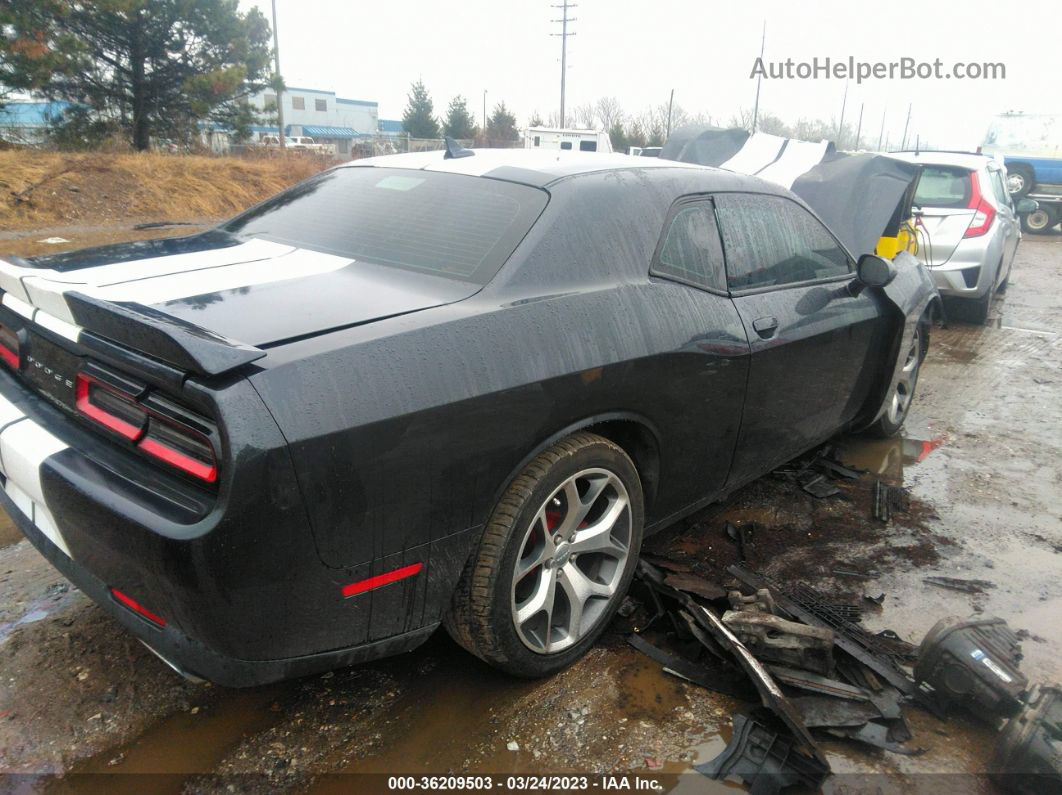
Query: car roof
(970, 160)
(532, 166)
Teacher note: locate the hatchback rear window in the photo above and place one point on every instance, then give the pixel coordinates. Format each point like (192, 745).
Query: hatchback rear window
(450, 225)
(940, 186)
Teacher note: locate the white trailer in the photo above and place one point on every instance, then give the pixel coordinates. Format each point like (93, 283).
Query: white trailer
(566, 139)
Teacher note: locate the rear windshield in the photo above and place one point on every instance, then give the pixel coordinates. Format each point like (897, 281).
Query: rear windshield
(449, 225)
(941, 186)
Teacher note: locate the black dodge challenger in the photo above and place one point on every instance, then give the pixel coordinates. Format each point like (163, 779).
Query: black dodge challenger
(423, 389)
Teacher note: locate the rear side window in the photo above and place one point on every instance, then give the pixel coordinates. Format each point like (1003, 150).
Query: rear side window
(588, 146)
(772, 241)
(691, 251)
(449, 225)
(941, 186)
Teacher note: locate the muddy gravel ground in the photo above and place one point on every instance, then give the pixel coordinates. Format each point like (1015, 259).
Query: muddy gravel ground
(982, 459)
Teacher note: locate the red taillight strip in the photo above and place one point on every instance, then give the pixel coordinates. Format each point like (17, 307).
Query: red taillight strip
(137, 608)
(207, 472)
(381, 580)
(979, 205)
(9, 357)
(90, 410)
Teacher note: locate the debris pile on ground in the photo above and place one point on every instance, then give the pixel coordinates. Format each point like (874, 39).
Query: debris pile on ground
(816, 672)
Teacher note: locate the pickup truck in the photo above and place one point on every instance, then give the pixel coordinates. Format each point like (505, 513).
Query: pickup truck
(1030, 145)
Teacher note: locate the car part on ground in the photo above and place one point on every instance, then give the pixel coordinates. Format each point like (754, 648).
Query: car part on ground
(971, 662)
(888, 499)
(1028, 754)
(765, 760)
(850, 638)
(774, 639)
(770, 694)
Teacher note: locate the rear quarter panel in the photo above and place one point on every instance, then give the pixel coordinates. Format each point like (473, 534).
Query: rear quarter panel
(404, 432)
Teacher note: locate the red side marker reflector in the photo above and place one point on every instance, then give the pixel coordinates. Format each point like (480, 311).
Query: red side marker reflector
(137, 608)
(381, 580)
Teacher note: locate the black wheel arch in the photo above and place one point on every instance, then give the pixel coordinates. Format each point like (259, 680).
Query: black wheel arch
(633, 432)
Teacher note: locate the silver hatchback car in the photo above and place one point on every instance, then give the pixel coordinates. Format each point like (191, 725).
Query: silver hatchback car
(969, 227)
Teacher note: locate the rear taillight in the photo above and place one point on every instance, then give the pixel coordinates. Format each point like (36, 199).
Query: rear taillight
(9, 352)
(984, 213)
(182, 448)
(164, 432)
(109, 407)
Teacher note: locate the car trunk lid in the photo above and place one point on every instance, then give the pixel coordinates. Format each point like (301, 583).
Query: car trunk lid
(944, 229)
(210, 305)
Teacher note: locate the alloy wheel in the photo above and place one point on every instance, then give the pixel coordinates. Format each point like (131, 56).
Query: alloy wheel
(903, 391)
(571, 561)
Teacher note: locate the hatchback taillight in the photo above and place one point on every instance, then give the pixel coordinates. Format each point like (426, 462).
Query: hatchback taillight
(9, 351)
(161, 435)
(984, 213)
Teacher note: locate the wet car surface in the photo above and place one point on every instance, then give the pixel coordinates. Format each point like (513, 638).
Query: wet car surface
(981, 459)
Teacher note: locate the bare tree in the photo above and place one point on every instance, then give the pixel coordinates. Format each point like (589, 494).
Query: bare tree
(584, 115)
(609, 112)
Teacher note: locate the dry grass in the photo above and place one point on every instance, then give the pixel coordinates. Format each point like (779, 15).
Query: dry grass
(43, 189)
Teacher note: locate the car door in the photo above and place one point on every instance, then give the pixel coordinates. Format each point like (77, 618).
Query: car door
(814, 339)
(703, 391)
(1011, 227)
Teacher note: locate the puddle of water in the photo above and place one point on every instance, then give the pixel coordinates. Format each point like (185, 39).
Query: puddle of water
(440, 716)
(9, 533)
(176, 747)
(887, 458)
(646, 692)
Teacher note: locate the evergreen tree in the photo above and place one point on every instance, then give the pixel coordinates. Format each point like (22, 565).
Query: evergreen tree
(419, 119)
(618, 137)
(459, 122)
(153, 68)
(501, 127)
(536, 120)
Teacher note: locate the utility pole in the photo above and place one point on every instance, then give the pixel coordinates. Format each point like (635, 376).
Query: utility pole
(670, 104)
(564, 34)
(840, 124)
(882, 133)
(903, 143)
(859, 127)
(759, 79)
(276, 68)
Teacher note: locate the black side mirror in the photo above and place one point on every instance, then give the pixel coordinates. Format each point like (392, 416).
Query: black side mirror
(874, 271)
(1026, 206)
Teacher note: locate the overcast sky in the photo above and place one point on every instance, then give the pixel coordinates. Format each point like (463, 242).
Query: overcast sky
(639, 51)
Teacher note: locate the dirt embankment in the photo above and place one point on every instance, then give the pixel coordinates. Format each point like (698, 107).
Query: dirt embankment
(45, 189)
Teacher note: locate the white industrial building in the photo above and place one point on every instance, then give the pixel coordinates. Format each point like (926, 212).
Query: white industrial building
(322, 115)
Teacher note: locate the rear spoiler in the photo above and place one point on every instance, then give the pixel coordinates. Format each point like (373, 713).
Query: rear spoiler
(80, 317)
(161, 336)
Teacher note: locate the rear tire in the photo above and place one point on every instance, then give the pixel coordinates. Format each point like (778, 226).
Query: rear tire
(901, 396)
(977, 310)
(555, 560)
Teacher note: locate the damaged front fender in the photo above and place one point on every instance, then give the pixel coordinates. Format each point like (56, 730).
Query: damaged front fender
(913, 298)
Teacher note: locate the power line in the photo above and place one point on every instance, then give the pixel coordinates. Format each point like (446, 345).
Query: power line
(564, 21)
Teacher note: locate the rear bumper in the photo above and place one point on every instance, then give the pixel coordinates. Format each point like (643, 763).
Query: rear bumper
(187, 655)
(245, 596)
(970, 271)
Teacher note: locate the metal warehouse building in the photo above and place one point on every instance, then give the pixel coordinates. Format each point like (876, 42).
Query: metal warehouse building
(322, 115)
